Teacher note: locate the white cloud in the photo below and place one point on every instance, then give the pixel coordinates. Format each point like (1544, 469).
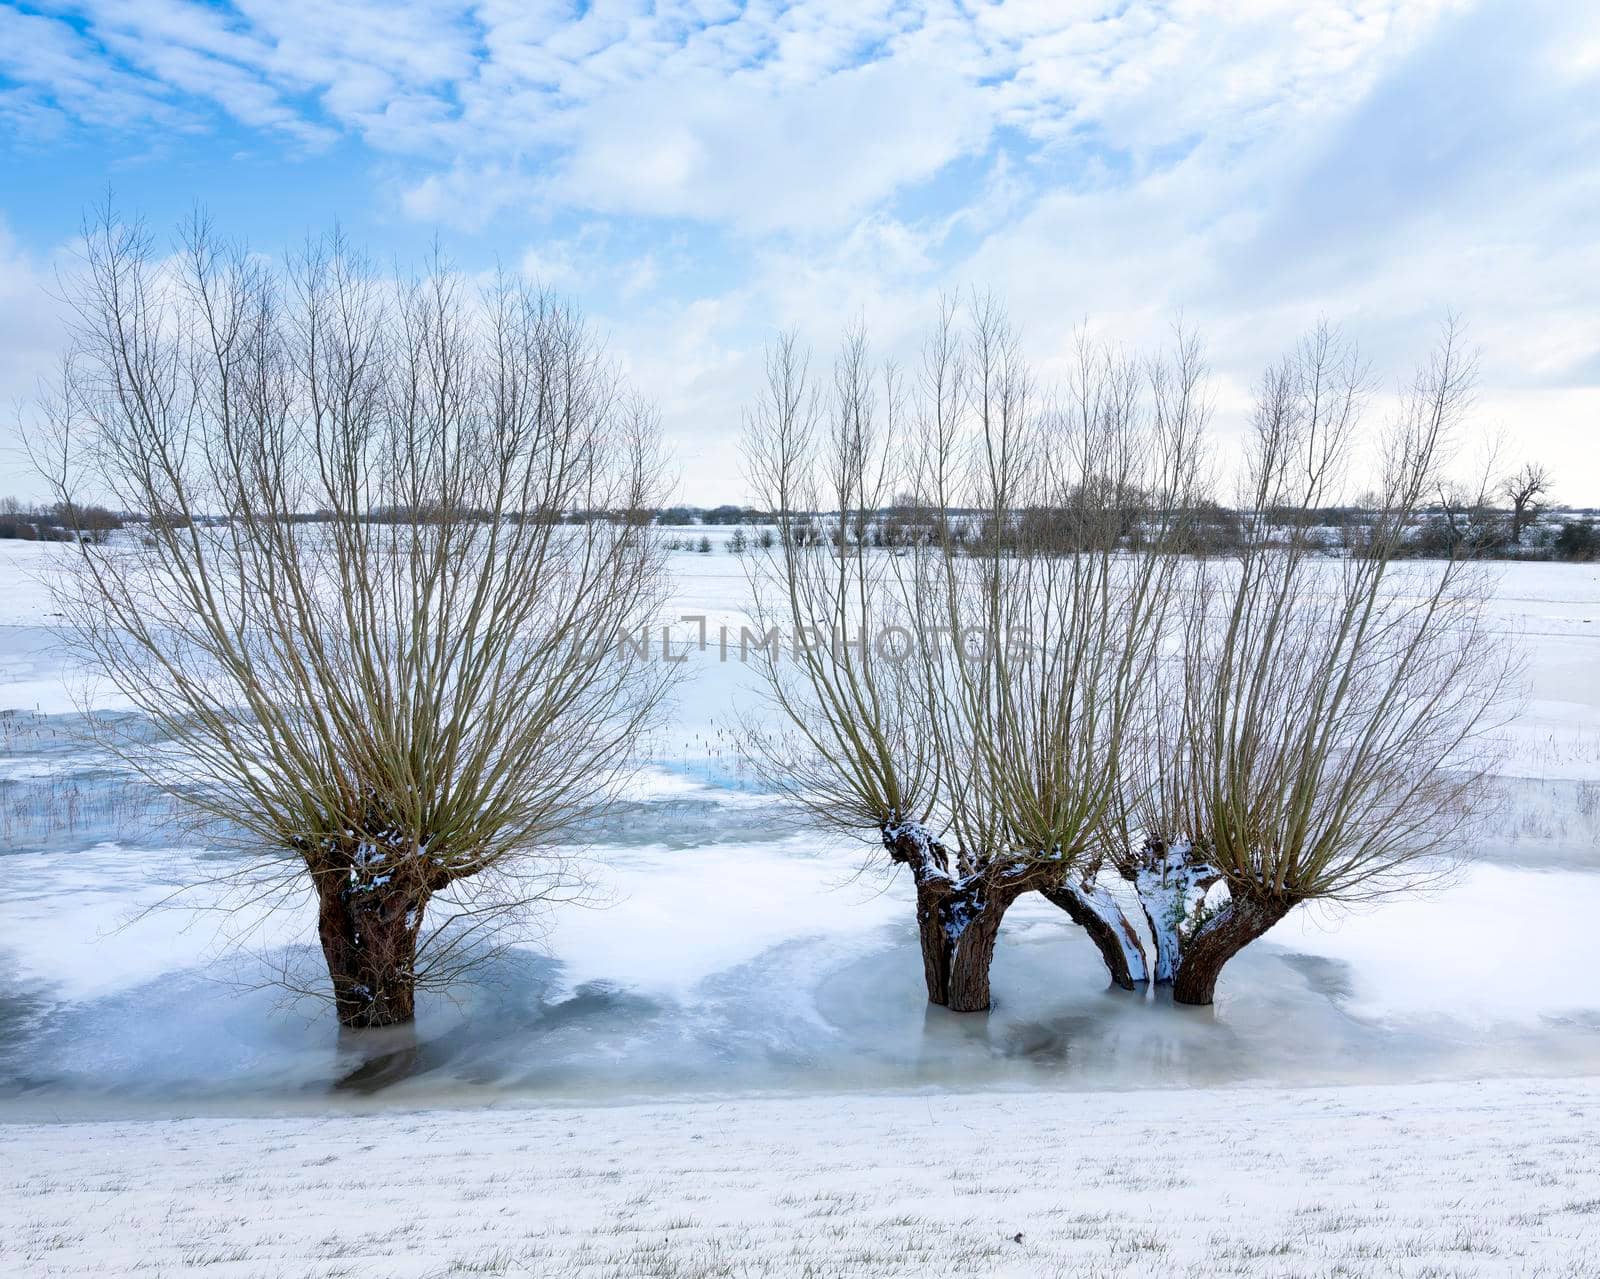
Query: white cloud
(32, 331)
(1249, 164)
(807, 158)
(767, 117)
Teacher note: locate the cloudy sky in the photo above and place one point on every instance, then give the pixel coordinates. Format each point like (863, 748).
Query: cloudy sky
(702, 173)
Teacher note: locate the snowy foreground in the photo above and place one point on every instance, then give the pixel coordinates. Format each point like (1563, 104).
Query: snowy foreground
(1428, 1179)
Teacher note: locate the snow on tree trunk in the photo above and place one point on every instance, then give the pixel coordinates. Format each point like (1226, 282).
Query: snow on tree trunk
(1171, 885)
(1101, 916)
(1218, 939)
(368, 921)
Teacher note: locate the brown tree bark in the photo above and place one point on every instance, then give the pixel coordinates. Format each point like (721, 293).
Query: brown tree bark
(959, 923)
(959, 915)
(938, 947)
(1218, 940)
(369, 939)
(974, 947)
(1108, 927)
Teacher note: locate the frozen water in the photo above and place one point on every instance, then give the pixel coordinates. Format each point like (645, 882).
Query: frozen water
(732, 951)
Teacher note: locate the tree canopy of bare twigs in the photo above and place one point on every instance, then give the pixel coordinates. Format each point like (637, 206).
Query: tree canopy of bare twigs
(351, 608)
(1325, 734)
(1524, 488)
(964, 696)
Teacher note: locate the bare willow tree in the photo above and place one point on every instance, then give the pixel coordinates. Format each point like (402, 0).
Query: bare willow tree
(1324, 736)
(850, 740)
(964, 700)
(1041, 624)
(355, 611)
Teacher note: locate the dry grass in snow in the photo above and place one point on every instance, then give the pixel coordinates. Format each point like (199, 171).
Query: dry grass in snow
(1496, 1178)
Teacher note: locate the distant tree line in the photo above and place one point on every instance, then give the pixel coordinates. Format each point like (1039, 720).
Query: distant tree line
(719, 515)
(1449, 527)
(1205, 528)
(55, 522)
(1508, 519)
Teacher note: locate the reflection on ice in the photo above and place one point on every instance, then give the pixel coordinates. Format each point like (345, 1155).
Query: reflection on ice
(769, 1000)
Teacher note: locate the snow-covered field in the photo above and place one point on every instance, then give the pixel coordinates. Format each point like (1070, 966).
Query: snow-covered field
(1438, 1181)
(730, 1068)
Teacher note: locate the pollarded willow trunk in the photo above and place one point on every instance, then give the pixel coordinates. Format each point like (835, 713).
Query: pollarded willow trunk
(368, 924)
(1171, 880)
(1101, 916)
(1195, 938)
(1220, 937)
(959, 924)
(938, 943)
(974, 949)
(959, 914)
(975, 912)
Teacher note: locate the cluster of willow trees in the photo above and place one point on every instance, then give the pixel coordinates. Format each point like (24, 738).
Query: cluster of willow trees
(1042, 693)
(412, 716)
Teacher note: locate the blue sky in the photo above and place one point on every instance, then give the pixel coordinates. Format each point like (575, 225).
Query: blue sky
(701, 173)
